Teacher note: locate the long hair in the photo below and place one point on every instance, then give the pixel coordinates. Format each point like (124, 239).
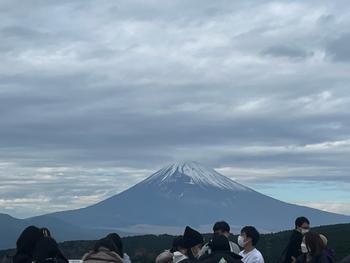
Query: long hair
(115, 238)
(314, 243)
(106, 243)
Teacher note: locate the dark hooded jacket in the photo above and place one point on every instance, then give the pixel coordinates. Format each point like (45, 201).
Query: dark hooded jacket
(26, 243)
(221, 251)
(293, 248)
(47, 251)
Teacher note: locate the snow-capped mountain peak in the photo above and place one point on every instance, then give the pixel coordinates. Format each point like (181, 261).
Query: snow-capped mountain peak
(195, 174)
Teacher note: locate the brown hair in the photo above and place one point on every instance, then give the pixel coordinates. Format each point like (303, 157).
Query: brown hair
(314, 243)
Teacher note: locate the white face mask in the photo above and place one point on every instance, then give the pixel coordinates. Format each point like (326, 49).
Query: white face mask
(304, 231)
(240, 241)
(304, 248)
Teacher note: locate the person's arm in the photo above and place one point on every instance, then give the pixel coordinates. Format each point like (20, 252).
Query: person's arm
(293, 249)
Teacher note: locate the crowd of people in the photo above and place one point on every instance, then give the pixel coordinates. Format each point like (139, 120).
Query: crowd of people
(35, 245)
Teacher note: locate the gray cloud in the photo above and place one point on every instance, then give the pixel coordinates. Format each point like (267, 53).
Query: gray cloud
(135, 84)
(286, 51)
(339, 48)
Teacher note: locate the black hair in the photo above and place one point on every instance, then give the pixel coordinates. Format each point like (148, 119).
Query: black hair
(47, 250)
(115, 238)
(106, 243)
(251, 232)
(27, 240)
(219, 243)
(221, 225)
(178, 243)
(301, 220)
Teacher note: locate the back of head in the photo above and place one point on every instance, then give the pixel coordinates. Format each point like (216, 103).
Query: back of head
(178, 243)
(301, 220)
(314, 243)
(116, 239)
(106, 243)
(46, 250)
(165, 257)
(221, 226)
(219, 243)
(27, 240)
(192, 237)
(252, 233)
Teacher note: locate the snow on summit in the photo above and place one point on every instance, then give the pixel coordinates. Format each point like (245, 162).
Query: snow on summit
(196, 174)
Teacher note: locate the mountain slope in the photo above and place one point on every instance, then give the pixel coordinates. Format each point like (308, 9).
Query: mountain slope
(177, 195)
(189, 193)
(10, 229)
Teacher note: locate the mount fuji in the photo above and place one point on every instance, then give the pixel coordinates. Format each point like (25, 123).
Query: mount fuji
(187, 193)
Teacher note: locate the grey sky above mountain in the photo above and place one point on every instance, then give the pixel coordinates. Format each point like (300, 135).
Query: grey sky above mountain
(95, 97)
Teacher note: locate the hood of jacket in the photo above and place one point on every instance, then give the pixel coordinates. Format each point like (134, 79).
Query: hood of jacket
(102, 255)
(178, 257)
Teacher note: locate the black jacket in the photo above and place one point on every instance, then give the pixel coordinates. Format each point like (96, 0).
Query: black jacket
(316, 259)
(293, 248)
(218, 255)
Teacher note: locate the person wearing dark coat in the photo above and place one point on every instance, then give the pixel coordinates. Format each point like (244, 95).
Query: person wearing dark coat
(178, 250)
(116, 239)
(104, 251)
(293, 249)
(26, 243)
(47, 251)
(220, 251)
(193, 242)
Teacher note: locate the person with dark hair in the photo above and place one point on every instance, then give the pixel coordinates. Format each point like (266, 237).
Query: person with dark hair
(104, 251)
(221, 228)
(115, 238)
(248, 239)
(220, 251)
(26, 243)
(193, 242)
(47, 251)
(293, 249)
(312, 247)
(165, 257)
(178, 249)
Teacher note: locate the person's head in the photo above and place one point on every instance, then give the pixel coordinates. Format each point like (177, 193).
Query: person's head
(193, 242)
(106, 243)
(27, 240)
(46, 250)
(115, 238)
(302, 224)
(178, 245)
(312, 244)
(221, 228)
(165, 257)
(249, 237)
(219, 242)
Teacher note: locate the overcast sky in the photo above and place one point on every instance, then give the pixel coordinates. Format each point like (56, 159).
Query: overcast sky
(97, 95)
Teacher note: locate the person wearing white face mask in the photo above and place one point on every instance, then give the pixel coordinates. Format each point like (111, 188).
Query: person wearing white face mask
(293, 249)
(312, 247)
(248, 239)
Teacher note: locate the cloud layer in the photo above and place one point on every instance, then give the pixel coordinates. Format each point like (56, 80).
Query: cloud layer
(95, 96)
